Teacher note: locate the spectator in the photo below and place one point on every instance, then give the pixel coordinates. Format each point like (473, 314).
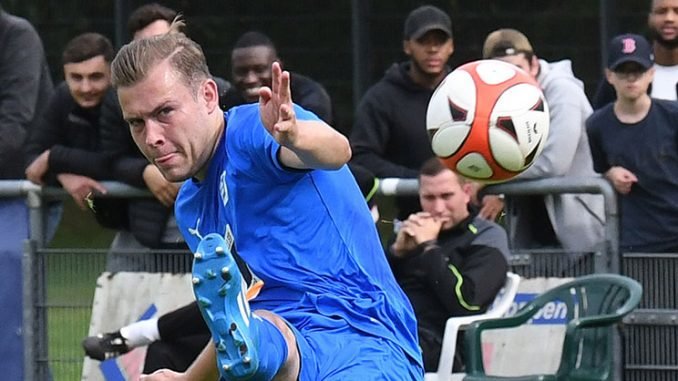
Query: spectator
(574, 222)
(449, 261)
(64, 146)
(251, 59)
(662, 22)
(389, 135)
(25, 87)
(634, 142)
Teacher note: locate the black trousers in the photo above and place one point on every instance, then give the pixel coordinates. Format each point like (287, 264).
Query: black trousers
(183, 335)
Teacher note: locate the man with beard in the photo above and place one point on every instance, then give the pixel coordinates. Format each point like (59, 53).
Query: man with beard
(663, 26)
(389, 133)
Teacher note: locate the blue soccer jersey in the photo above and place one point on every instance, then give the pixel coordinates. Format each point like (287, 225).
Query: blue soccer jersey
(307, 233)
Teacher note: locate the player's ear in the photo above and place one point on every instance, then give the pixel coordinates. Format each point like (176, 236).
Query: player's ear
(210, 94)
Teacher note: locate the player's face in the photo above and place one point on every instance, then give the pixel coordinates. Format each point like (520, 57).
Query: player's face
(430, 52)
(251, 69)
(155, 28)
(88, 80)
(630, 80)
(529, 65)
(444, 197)
(663, 22)
(171, 122)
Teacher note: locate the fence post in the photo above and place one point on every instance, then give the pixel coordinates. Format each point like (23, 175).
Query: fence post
(29, 325)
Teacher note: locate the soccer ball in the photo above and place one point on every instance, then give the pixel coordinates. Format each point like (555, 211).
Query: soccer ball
(488, 120)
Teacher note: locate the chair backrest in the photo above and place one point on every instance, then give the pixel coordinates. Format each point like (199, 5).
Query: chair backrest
(591, 305)
(500, 306)
(502, 303)
(595, 304)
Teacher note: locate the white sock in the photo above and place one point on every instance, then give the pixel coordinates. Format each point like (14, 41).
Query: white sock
(141, 333)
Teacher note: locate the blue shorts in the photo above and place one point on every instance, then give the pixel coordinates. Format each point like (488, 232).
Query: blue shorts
(332, 350)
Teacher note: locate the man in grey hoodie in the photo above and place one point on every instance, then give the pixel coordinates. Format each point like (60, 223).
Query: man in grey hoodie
(574, 222)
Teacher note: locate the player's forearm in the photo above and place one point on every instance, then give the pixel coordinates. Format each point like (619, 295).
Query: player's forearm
(316, 145)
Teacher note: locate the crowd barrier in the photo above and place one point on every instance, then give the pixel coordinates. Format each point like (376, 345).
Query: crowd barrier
(59, 285)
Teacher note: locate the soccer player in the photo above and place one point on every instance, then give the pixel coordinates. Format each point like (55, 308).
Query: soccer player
(269, 179)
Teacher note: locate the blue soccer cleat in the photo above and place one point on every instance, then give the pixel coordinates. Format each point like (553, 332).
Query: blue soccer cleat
(221, 293)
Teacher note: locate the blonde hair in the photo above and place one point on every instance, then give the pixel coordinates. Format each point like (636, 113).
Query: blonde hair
(135, 60)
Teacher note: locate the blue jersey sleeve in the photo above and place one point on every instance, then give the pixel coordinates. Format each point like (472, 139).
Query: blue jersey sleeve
(257, 151)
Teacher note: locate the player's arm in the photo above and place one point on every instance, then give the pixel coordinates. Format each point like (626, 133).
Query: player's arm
(304, 144)
(316, 145)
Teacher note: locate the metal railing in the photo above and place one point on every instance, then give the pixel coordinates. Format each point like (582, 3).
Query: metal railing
(647, 330)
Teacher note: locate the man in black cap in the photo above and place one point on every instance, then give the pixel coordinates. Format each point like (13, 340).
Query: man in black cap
(389, 134)
(634, 143)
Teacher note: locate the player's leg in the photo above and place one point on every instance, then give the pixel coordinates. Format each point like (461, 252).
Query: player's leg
(176, 354)
(221, 293)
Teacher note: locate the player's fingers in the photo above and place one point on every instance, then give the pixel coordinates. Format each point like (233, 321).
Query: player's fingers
(285, 92)
(264, 95)
(276, 72)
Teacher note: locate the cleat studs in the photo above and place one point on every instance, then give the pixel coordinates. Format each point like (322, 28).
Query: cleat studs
(233, 326)
(221, 347)
(225, 273)
(246, 360)
(219, 250)
(210, 274)
(195, 281)
(226, 367)
(197, 256)
(222, 291)
(204, 302)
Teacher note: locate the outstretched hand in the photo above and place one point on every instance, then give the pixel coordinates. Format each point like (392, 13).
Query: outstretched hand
(275, 106)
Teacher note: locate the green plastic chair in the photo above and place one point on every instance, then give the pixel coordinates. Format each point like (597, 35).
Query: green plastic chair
(595, 304)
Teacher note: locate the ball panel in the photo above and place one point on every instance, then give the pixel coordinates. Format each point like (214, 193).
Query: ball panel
(474, 166)
(446, 141)
(492, 73)
(505, 150)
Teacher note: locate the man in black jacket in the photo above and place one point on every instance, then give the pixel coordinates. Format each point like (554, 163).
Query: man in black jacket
(389, 134)
(64, 147)
(449, 261)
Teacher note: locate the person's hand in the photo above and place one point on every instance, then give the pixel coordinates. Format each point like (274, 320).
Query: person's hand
(162, 374)
(163, 190)
(622, 179)
(490, 207)
(80, 187)
(276, 109)
(417, 229)
(37, 169)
